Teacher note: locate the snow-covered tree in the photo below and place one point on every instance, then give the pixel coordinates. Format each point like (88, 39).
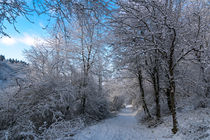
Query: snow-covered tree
(162, 35)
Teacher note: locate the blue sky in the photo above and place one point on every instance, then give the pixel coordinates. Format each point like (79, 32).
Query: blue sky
(29, 32)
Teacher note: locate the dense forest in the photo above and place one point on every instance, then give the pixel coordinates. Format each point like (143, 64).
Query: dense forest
(102, 55)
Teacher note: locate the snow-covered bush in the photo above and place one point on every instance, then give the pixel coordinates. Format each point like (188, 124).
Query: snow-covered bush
(63, 129)
(97, 107)
(7, 108)
(35, 109)
(53, 93)
(117, 103)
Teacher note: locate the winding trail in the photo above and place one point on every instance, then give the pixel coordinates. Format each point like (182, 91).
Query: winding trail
(122, 127)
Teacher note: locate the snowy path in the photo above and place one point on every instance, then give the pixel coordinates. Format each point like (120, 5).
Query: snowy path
(122, 127)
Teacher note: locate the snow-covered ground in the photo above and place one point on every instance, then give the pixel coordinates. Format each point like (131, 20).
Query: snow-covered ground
(126, 127)
(122, 127)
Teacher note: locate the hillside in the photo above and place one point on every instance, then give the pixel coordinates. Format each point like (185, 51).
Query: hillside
(9, 72)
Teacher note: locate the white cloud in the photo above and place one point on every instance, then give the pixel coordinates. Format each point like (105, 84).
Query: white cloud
(29, 40)
(8, 41)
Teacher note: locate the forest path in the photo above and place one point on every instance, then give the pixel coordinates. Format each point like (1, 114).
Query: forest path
(122, 127)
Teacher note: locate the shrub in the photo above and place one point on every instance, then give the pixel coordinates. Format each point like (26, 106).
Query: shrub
(117, 103)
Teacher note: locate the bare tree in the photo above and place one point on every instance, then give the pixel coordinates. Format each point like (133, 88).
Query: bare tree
(10, 10)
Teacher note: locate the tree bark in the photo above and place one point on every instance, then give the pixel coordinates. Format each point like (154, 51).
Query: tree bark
(173, 106)
(168, 98)
(83, 104)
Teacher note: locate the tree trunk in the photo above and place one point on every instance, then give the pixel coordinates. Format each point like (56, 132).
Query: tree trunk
(173, 107)
(202, 72)
(154, 74)
(157, 96)
(157, 86)
(168, 99)
(146, 110)
(172, 82)
(83, 104)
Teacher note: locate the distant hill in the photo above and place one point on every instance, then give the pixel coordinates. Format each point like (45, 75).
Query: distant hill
(9, 72)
